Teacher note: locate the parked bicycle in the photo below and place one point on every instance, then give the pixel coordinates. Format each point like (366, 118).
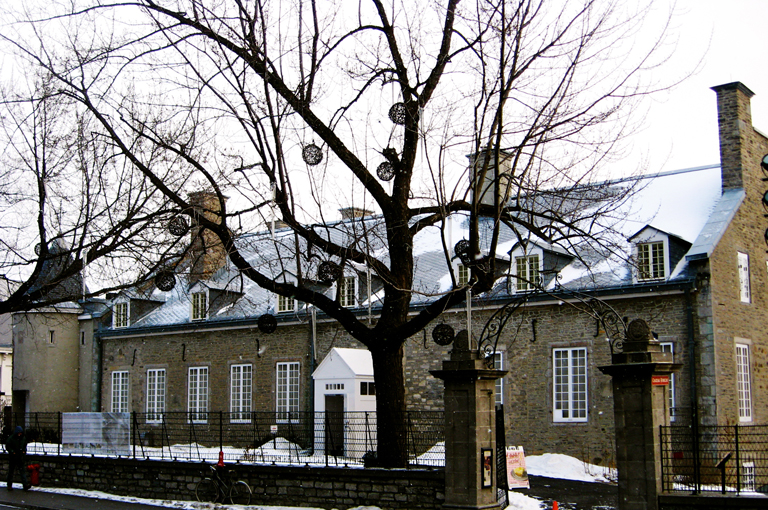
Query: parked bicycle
(220, 488)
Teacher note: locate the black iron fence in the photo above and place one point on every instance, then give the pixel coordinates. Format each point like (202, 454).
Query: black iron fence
(723, 459)
(257, 437)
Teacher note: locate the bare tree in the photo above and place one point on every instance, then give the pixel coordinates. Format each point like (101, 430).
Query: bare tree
(290, 110)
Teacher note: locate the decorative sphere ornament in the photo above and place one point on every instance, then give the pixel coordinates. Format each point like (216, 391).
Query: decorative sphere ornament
(165, 281)
(328, 272)
(385, 171)
(462, 251)
(397, 113)
(443, 334)
(267, 323)
(178, 226)
(312, 154)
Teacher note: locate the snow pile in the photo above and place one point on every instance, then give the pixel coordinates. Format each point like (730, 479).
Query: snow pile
(555, 465)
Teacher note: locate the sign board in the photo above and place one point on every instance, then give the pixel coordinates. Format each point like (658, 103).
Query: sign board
(273, 429)
(110, 432)
(660, 380)
(517, 475)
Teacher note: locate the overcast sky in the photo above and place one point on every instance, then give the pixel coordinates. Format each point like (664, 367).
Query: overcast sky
(729, 38)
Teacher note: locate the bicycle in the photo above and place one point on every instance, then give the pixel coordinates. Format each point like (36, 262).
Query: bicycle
(219, 488)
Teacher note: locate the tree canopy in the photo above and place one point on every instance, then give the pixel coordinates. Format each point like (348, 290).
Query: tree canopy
(289, 111)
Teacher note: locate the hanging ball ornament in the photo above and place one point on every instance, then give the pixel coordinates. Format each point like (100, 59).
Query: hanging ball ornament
(397, 113)
(165, 281)
(178, 226)
(443, 334)
(385, 171)
(328, 272)
(267, 323)
(312, 154)
(462, 251)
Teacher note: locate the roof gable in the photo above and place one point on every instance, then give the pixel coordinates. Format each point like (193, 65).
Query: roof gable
(343, 363)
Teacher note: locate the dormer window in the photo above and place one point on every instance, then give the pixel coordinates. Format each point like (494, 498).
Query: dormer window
(285, 304)
(650, 261)
(199, 306)
(120, 315)
(462, 275)
(347, 291)
(527, 272)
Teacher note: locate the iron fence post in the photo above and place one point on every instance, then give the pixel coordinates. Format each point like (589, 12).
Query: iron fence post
(58, 446)
(738, 463)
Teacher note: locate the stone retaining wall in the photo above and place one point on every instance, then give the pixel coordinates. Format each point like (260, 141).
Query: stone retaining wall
(317, 487)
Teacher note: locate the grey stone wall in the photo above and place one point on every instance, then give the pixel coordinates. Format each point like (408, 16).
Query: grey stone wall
(271, 485)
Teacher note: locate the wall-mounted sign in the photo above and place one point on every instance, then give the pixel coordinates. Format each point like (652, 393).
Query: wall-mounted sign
(486, 457)
(660, 380)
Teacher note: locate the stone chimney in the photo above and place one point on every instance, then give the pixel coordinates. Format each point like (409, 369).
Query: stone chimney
(206, 252)
(734, 119)
(349, 213)
(491, 184)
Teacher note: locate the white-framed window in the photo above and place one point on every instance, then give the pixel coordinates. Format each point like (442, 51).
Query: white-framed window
(672, 402)
(241, 392)
(527, 272)
(155, 395)
(743, 266)
(285, 304)
(120, 315)
(570, 384)
(199, 306)
(748, 476)
(498, 364)
(287, 390)
(119, 403)
(347, 291)
(462, 275)
(743, 383)
(197, 394)
(650, 261)
(368, 388)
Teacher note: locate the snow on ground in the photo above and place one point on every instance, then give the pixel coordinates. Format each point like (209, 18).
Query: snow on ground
(555, 465)
(551, 465)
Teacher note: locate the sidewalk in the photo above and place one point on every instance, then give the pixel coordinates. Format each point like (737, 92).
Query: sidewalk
(41, 499)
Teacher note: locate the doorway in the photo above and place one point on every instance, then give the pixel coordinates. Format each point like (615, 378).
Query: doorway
(334, 425)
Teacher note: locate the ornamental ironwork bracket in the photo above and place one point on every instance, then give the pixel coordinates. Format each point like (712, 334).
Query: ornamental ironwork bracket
(612, 323)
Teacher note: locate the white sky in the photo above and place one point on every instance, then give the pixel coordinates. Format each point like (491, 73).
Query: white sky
(729, 41)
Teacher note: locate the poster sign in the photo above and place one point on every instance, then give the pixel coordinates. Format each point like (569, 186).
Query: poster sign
(487, 459)
(517, 475)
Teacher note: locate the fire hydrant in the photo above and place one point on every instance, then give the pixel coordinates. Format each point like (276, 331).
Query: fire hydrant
(34, 474)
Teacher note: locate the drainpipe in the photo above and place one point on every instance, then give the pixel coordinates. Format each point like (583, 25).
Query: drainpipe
(97, 350)
(693, 393)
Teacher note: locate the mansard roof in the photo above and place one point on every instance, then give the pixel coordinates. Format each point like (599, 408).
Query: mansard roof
(686, 204)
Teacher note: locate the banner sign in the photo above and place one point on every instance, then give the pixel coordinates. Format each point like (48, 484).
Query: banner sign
(111, 432)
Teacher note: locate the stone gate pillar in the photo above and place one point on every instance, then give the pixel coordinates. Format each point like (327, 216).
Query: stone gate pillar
(470, 431)
(640, 394)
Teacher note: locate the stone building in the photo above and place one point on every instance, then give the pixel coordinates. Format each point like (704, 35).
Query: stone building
(697, 273)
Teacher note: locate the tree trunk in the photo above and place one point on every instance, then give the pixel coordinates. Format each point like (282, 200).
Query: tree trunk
(391, 427)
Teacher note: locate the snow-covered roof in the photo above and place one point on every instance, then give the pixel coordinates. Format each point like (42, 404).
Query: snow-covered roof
(341, 363)
(687, 204)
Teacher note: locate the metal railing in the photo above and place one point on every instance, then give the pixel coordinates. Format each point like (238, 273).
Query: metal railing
(336, 439)
(727, 459)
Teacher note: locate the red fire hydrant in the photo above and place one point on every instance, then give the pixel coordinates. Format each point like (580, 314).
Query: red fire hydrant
(34, 474)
